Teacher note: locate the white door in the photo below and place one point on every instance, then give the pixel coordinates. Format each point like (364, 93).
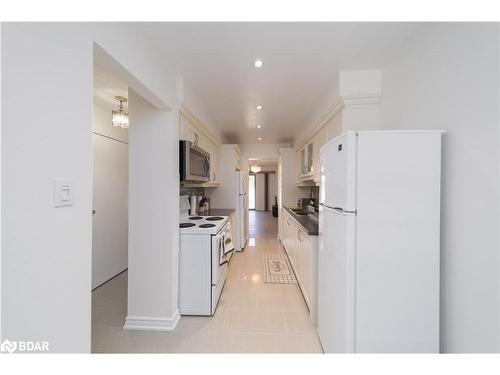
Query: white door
(335, 281)
(110, 202)
(241, 182)
(338, 172)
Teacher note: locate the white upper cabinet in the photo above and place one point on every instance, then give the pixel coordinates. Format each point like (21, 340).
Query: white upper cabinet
(186, 131)
(306, 161)
(238, 160)
(192, 130)
(320, 138)
(214, 152)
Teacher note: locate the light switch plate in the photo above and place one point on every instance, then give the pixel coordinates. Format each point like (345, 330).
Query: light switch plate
(63, 193)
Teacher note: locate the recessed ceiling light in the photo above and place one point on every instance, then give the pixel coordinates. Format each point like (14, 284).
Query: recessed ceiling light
(258, 107)
(260, 138)
(259, 126)
(258, 63)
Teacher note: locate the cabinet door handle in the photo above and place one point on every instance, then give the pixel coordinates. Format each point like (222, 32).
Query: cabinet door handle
(298, 235)
(214, 175)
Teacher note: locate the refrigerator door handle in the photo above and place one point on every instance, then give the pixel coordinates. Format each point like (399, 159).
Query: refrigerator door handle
(340, 209)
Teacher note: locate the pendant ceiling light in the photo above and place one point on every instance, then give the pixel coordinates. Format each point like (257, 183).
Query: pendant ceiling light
(255, 168)
(120, 117)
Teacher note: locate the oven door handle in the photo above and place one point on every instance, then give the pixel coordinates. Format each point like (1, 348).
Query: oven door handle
(222, 253)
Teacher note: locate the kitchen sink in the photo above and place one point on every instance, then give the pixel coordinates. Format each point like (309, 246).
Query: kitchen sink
(314, 217)
(300, 211)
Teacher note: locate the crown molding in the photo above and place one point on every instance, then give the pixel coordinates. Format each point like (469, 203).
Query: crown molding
(336, 110)
(368, 100)
(345, 102)
(184, 111)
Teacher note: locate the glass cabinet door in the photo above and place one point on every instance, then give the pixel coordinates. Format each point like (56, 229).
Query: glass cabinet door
(310, 157)
(303, 161)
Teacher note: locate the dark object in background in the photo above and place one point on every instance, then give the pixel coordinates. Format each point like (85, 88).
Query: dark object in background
(275, 207)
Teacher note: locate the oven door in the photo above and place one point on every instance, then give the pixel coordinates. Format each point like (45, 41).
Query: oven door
(219, 268)
(228, 246)
(217, 250)
(195, 163)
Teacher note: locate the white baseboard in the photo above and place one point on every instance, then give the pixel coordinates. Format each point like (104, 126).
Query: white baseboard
(146, 323)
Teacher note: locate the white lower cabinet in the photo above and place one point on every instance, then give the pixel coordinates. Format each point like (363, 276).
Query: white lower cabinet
(305, 265)
(302, 251)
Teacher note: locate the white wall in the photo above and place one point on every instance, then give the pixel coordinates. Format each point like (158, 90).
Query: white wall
(46, 251)
(197, 107)
(224, 196)
(288, 192)
(153, 216)
(260, 196)
(110, 197)
(446, 77)
(273, 189)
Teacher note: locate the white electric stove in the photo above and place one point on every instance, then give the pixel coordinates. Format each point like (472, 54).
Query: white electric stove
(202, 224)
(205, 250)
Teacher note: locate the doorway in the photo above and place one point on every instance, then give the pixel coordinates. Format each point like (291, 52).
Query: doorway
(110, 180)
(262, 191)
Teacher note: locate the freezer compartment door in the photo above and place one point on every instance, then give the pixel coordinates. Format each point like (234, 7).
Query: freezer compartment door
(338, 172)
(336, 280)
(241, 182)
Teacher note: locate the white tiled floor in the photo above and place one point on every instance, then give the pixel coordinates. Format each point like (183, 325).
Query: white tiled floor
(252, 317)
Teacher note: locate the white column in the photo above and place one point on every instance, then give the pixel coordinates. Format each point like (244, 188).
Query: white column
(153, 217)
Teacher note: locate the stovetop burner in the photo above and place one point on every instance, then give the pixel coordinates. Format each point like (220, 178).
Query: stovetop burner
(214, 218)
(207, 225)
(195, 218)
(186, 225)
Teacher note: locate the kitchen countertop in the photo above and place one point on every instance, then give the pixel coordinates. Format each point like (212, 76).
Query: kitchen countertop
(217, 212)
(309, 225)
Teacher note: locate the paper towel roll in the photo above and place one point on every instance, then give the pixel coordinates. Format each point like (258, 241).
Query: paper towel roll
(194, 205)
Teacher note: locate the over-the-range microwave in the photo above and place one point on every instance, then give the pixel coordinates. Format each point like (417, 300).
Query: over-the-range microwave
(194, 163)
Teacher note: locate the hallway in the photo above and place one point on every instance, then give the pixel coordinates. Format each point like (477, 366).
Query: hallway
(252, 316)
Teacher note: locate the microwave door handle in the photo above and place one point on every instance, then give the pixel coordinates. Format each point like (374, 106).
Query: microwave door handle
(206, 167)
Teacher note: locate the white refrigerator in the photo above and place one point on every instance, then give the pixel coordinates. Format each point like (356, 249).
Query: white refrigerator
(379, 228)
(242, 209)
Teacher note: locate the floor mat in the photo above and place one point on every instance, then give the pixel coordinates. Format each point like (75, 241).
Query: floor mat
(277, 270)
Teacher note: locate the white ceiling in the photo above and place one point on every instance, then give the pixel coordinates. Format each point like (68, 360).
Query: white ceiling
(107, 86)
(297, 83)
